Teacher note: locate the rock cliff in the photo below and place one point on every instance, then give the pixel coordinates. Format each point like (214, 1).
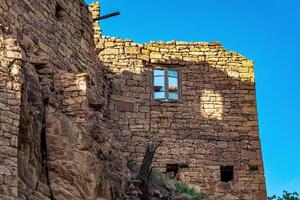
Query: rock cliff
(55, 142)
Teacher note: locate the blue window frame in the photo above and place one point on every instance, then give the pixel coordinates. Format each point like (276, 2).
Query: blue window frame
(166, 84)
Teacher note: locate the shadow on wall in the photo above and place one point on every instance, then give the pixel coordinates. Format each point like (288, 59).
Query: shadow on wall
(212, 103)
(213, 124)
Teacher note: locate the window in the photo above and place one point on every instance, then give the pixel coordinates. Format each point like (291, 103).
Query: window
(226, 173)
(166, 84)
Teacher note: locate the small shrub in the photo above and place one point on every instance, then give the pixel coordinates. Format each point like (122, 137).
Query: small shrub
(286, 196)
(158, 178)
(132, 165)
(183, 188)
(104, 178)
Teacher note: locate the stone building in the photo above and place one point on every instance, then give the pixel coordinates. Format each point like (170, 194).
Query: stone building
(197, 100)
(66, 94)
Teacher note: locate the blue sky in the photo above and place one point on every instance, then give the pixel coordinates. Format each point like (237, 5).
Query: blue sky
(266, 31)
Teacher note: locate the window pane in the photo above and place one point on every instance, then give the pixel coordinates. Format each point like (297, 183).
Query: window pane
(159, 72)
(159, 81)
(159, 95)
(173, 73)
(173, 84)
(173, 96)
(159, 84)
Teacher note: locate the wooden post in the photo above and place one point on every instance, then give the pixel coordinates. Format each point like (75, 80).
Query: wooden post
(107, 16)
(146, 169)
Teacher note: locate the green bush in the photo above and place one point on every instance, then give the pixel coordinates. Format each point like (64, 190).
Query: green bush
(158, 178)
(185, 189)
(132, 165)
(286, 196)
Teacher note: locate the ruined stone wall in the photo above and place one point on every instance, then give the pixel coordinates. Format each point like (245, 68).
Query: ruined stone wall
(213, 124)
(70, 89)
(55, 142)
(10, 100)
(57, 109)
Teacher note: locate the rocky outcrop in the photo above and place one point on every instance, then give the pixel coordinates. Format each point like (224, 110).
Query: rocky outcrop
(32, 150)
(55, 140)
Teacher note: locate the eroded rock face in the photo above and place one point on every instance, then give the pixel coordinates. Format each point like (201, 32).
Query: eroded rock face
(32, 170)
(66, 147)
(115, 172)
(62, 158)
(56, 142)
(74, 169)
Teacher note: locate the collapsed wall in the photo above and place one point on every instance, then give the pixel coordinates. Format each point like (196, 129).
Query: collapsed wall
(212, 127)
(55, 142)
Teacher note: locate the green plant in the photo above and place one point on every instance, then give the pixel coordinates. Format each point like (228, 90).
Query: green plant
(132, 165)
(286, 196)
(185, 189)
(157, 177)
(104, 178)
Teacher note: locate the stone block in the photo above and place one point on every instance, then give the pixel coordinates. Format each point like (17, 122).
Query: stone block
(155, 55)
(123, 106)
(110, 51)
(132, 50)
(4, 170)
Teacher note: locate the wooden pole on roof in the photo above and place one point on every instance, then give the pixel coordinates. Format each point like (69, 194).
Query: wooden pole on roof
(107, 16)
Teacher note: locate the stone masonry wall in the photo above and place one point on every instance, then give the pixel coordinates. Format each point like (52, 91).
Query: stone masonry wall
(71, 92)
(55, 101)
(53, 95)
(213, 124)
(10, 100)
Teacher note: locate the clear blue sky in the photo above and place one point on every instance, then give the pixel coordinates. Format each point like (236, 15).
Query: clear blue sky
(266, 31)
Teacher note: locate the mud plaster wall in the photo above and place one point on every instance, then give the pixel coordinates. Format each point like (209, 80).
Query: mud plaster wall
(214, 124)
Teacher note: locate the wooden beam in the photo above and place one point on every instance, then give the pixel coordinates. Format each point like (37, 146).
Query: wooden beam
(145, 169)
(107, 16)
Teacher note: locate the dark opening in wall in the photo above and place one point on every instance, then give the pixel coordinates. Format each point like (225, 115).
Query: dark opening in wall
(173, 170)
(59, 12)
(253, 168)
(226, 173)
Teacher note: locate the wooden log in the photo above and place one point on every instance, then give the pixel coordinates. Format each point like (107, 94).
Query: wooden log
(146, 169)
(107, 16)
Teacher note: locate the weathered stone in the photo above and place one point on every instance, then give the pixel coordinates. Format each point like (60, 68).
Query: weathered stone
(132, 50)
(123, 106)
(208, 123)
(4, 170)
(155, 55)
(59, 113)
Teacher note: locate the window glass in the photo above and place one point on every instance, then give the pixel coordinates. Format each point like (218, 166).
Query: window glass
(173, 96)
(159, 84)
(172, 73)
(159, 72)
(165, 86)
(173, 84)
(159, 95)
